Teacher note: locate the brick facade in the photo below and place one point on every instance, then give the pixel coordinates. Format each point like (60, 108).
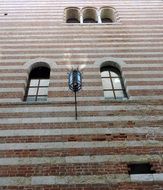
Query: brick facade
(42, 146)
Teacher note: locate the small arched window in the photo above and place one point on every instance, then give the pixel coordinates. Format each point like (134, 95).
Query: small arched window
(72, 15)
(90, 16)
(107, 15)
(112, 83)
(38, 82)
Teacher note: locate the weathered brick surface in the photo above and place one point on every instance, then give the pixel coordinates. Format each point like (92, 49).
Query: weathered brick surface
(132, 186)
(37, 30)
(60, 169)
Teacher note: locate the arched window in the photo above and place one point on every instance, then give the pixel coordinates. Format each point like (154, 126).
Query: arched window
(38, 82)
(72, 15)
(90, 16)
(107, 15)
(112, 83)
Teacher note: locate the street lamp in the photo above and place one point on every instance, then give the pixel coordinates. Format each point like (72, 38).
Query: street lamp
(75, 84)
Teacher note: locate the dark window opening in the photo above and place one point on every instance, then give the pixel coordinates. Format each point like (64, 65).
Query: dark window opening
(108, 15)
(37, 89)
(89, 20)
(73, 20)
(106, 20)
(112, 82)
(72, 15)
(143, 168)
(90, 16)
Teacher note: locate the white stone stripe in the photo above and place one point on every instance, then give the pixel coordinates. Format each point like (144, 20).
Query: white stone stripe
(53, 89)
(53, 74)
(12, 81)
(145, 79)
(56, 180)
(42, 7)
(154, 97)
(13, 75)
(65, 145)
(80, 159)
(137, 130)
(90, 81)
(127, 18)
(71, 99)
(80, 108)
(142, 16)
(11, 90)
(95, 35)
(51, 44)
(85, 80)
(146, 177)
(8, 51)
(93, 73)
(145, 87)
(94, 88)
(84, 60)
(93, 53)
(82, 179)
(51, 18)
(82, 48)
(49, 132)
(141, 177)
(104, 29)
(81, 131)
(85, 73)
(84, 88)
(50, 100)
(158, 177)
(53, 81)
(122, 28)
(42, 12)
(84, 36)
(76, 40)
(11, 67)
(15, 181)
(58, 5)
(128, 65)
(80, 119)
(41, 42)
(153, 65)
(54, 14)
(10, 100)
(144, 72)
(91, 27)
(37, 17)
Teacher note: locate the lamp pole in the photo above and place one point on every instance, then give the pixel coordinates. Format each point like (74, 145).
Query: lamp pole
(75, 84)
(76, 111)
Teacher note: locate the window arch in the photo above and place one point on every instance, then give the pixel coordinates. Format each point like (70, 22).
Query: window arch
(107, 15)
(112, 82)
(90, 15)
(72, 15)
(38, 82)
